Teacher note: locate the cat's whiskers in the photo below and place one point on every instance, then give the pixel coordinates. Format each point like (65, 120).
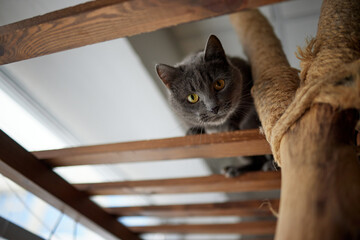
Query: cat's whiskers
(246, 95)
(202, 127)
(247, 84)
(242, 110)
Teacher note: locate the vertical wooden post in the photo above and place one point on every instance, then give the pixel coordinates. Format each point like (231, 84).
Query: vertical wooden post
(320, 177)
(311, 126)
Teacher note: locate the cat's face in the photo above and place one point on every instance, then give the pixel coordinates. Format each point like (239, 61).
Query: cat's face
(205, 89)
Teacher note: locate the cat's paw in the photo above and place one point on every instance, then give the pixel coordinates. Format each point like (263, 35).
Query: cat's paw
(195, 131)
(233, 127)
(231, 171)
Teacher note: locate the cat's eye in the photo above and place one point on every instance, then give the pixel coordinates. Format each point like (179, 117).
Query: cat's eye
(219, 84)
(193, 98)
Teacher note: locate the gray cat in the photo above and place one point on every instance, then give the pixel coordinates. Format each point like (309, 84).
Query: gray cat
(211, 93)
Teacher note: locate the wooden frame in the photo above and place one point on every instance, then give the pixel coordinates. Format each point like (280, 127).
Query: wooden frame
(94, 22)
(248, 182)
(37, 177)
(239, 143)
(248, 208)
(245, 228)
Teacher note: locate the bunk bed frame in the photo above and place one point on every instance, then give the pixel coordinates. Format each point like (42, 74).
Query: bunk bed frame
(98, 21)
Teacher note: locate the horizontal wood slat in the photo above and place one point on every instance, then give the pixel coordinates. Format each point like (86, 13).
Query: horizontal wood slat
(260, 237)
(24, 169)
(256, 208)
(228, 144)
(246, 228)
(267, 237)
(252, 181)
(98, 21)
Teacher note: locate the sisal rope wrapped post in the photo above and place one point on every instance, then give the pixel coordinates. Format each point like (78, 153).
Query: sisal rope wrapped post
(310, 120)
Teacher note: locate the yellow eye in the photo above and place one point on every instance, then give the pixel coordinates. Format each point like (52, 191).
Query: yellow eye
(219, 84)
(193, 98)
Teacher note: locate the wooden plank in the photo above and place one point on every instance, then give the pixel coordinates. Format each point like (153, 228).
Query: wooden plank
(256, 208)
(98, 21)
(262, 237)
(252, 181)
(267, 237)
(24, 169)
(228, 144)
(246, 228)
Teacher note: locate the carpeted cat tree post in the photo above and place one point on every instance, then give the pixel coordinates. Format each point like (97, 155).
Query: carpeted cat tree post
(310, 120)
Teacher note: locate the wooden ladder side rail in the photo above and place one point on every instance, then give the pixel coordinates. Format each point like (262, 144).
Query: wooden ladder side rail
(24, 169)
(98, 21)
(249, 208)
(244, 228)
(247, 182)
(228, 144)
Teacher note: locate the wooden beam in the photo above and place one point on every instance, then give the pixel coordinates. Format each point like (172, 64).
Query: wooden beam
(24, 169)
(327, 199)
(256, 208)
(98, 21)
(252, 181)
(229, 144)
(263, 237)
(245, 228)
(267, 237)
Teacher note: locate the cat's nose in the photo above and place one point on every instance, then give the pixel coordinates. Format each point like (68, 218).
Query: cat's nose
(215, 110)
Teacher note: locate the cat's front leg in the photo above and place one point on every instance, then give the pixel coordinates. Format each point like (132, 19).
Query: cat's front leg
(233, 127)
(195, 131)
(256, 163)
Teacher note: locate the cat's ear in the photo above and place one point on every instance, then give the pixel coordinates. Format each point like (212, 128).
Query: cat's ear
(214, 49)
(166, 73)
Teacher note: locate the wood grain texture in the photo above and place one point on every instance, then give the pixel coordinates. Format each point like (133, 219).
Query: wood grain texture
(99, 21)
(255, 208)
(229, 144)
(262, 237)
(247, 182)
(24, 169)
(320, 177)
(245, 228)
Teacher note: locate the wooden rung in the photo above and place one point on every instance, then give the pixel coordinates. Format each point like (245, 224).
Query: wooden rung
(229, 144)
(252, 181)
(256, 208)
(246, 228)
(267, 237)
(263, 237)
(98, 21)
(259, 238)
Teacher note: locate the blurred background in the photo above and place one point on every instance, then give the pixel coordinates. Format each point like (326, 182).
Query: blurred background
(109, 92)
